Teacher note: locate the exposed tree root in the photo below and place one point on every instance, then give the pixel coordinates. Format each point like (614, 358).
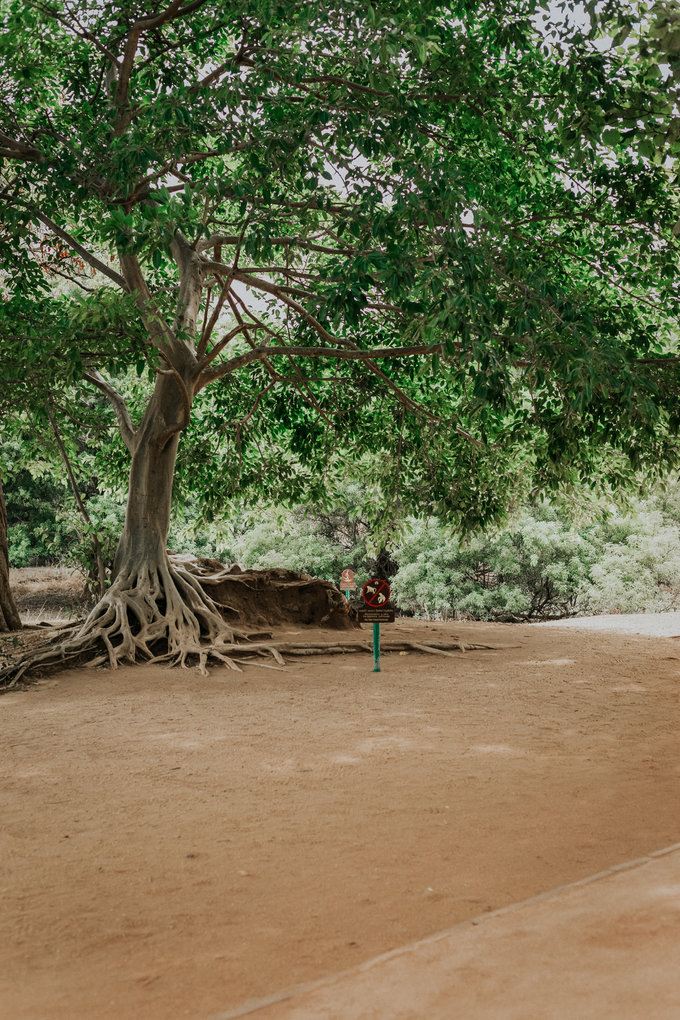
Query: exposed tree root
(44, 626)
(163, 614)
(435, 650)
(337, 648)
(157, 614)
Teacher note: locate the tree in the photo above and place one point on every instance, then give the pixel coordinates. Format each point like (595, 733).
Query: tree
(314, 204)
(9, 615)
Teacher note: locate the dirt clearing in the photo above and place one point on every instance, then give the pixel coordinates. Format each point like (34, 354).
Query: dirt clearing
(174, 845)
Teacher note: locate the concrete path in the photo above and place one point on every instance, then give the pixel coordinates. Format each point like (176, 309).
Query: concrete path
(606, 948)
(643, 624)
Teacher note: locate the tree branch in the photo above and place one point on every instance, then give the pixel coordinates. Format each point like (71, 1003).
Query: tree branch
(259, 353)
(137, 286)
(353, 352)
(276, 291)
(71, 279)
(87, 256)
(127, 430)
(219, 347)
(101, 573)
(175, 10)
(210, 323)
(298, 242)
(80, 31)
(263, 353)
(12, 149)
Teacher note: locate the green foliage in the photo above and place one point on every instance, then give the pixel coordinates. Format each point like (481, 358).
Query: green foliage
(107, 514)
(35, 535)
(638, 567)
(532, 570)
(295, 545)
(549, 561)
(546, 564)
(34, 497)
(298, 538)
(450, 179)
(45, 523)
(45, 527)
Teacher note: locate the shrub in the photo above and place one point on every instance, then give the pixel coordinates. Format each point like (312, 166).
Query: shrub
(533, 570)
(35, 534)
(638, 571)
(296, 544)
(107, 514)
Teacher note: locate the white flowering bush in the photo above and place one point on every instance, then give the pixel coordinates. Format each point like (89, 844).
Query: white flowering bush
(639, 572)
(534, 569)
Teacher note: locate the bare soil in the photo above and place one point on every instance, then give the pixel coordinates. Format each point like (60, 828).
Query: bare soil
(174, 845)
(48, 593)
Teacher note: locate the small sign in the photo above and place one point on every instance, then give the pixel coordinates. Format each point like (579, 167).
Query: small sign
(347, 582)
(376, 593)
(379, 614)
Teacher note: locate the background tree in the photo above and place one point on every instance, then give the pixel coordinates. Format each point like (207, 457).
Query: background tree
(9, 616)
(333, 202)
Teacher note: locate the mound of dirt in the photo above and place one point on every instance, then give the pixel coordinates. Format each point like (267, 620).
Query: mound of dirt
(250, 601)
(269, 598)
(254, 598)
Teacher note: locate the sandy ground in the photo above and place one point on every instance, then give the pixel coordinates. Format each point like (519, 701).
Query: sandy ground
(173, 845)
(604, 948)
(48, 593)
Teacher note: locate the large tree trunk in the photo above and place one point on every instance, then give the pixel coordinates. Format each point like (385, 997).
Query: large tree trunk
(9, 616)
(147, 518)
(154, 610)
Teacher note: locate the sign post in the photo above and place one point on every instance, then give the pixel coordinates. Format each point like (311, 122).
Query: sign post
(347, 582)
(376, 647)
(376, 595)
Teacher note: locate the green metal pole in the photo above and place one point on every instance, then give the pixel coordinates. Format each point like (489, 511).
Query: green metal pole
(347, 594)
(376, 647)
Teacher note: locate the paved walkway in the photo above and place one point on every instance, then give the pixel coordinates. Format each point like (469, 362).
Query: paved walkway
(606, 948)
(643, 624)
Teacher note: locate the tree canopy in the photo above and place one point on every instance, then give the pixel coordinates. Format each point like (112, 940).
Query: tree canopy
(338, 217)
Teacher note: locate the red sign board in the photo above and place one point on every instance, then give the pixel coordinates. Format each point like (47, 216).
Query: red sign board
(347, 576)
(376, 593)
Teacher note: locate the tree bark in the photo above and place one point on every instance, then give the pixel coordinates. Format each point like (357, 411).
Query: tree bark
(147, 518)
(9, 616)
(154, 609)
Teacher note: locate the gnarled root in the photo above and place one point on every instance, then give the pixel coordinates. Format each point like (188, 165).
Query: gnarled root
(405, 645)
(158, 614)
(161, 613)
